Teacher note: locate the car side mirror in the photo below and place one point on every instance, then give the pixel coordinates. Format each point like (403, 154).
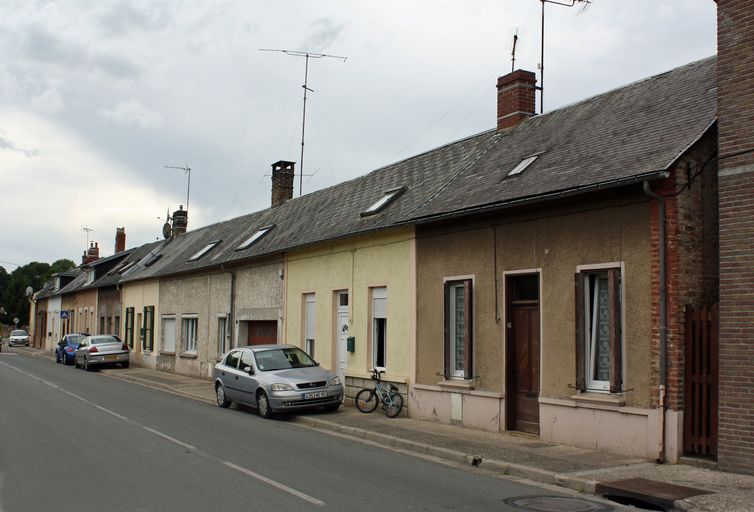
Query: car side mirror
(249, 370)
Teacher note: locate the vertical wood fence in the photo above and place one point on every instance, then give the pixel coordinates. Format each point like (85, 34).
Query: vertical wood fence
(701, 381)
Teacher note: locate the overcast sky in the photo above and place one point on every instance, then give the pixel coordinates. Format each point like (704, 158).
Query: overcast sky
(97, 97)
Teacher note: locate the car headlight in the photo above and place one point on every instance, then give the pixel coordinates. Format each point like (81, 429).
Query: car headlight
(335, 381)
(281, 387)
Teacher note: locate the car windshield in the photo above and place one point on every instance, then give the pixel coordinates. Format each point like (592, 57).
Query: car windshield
(99, 340)
(282, 359)
(75, 339)
(18, 333)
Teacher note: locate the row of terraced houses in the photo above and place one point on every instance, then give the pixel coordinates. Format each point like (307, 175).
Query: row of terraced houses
(557, 275)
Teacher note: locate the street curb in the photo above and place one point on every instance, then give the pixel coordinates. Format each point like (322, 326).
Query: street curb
(506, 468)
(158, 385)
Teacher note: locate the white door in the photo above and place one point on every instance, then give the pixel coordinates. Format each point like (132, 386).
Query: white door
(342, 336)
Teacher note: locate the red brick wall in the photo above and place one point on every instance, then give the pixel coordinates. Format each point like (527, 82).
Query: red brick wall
(515, 98)
(691, 252)
(735, 94)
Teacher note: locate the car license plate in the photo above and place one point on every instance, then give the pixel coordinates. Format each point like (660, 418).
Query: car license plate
(316, 394)
(111, 358)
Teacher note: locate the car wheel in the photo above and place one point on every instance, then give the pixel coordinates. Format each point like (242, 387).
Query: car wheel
(125, 365)
(222, 400)
(86, 365)
(263, 405)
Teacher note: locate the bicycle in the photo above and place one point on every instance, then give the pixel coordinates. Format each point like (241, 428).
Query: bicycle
(367, 399)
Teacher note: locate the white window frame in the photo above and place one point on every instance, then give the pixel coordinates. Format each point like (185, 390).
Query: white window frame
(204, 250)
(222, 335)
(378, 293)
(523, 164)
(388, 197)
(310, 325)
(189, 335)
(456, 282)
(592, 384)
(163, 320)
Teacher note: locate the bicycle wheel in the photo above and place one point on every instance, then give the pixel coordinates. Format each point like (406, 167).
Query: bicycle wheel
(366, 400)
(394, 406)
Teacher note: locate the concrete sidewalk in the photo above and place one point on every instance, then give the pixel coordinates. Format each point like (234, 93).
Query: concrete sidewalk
(527, 457)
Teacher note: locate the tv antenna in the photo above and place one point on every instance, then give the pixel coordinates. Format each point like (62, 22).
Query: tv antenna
(566, 3)
(88, 230)
(307, 55)
(513, 52)
(187, 170)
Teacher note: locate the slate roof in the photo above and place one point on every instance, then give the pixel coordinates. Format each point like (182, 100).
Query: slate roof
(327, 214)
(46, 291)
(631, 133)
(628, 133)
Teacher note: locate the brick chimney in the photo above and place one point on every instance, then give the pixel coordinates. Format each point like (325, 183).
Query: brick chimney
(180, 221)
(282, 181)
(120, 240)
(515, 98)
(91, 254)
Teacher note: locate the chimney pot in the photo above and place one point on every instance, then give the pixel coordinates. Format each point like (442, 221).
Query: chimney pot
(515, 98)
(180, 221)
(283, 173)
(120, 240)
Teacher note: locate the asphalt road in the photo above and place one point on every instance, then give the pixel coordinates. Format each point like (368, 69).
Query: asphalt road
(75, 440)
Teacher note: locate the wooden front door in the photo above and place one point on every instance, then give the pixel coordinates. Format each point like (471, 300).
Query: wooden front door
(262, 332)
(525, 379)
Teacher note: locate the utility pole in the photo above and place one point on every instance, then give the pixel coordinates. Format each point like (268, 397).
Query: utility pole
(187, 170)
(307, 55)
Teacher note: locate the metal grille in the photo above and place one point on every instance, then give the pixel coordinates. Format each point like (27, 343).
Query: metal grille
(309, 385)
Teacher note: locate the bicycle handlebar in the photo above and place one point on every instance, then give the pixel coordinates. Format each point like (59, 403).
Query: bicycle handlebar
(376, 374)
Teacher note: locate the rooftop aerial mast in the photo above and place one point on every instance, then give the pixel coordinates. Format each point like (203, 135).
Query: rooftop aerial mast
(307, 55)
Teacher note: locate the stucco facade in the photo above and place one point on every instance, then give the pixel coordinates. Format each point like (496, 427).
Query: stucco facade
(140, 295)
(85, 311)
(361, 267)
(553, 244)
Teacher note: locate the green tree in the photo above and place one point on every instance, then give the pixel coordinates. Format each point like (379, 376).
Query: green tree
(13, 300)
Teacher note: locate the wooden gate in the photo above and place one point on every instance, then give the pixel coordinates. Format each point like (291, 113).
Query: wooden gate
(701, 378)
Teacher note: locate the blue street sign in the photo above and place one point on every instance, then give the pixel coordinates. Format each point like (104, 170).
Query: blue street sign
(64, 315)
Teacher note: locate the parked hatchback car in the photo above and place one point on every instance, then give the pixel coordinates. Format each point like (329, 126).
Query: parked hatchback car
(18, 337)
(275, 378)
(66, 348)
(99, 350)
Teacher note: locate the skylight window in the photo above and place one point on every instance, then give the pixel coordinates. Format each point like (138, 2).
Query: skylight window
(522, 165)
(382, 202)
(254, 238)
(127, 267)
(204, 250)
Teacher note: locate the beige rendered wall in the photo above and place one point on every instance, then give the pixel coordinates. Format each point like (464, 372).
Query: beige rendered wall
(356, 265)
(557, 244)
(85, 306)
(259, 295)
(207, 296)
(136, 295)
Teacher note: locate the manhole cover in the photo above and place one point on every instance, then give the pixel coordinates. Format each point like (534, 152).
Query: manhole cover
(556, 504)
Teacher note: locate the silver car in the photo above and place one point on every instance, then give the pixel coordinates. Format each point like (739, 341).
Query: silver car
(275, 378)
(18, 337)
(103, 349)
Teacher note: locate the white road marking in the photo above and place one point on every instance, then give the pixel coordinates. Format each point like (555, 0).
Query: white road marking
(243, 470)
(171, 439)
(273, 483)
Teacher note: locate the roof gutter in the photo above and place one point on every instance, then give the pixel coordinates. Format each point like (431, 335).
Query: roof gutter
(663, 316)
(620, 182)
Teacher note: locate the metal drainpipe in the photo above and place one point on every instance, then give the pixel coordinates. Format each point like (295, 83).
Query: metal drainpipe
(663, 314)
(231, 316)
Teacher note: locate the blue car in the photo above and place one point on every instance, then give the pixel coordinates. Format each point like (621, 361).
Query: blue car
(64, 352)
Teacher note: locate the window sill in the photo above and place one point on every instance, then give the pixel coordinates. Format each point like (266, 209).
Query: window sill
(457, 385)
(167, 352)
(591, 397)
(188, 355)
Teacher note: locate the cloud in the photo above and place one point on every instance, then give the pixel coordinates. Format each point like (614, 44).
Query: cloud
(7, 144)
(132, 112)
(49, 102)
(326, 33)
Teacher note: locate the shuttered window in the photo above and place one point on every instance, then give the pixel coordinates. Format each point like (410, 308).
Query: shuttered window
(379, 327)
(129, 327)
(168, 334)
(598, 331)
(148, 343)
(309, 323)
(458, 329)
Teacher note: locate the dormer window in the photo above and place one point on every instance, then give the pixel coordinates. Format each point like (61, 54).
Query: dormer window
(523, 164)
(387, 198)
(89, 276)
(254, 238)
(204, 250)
